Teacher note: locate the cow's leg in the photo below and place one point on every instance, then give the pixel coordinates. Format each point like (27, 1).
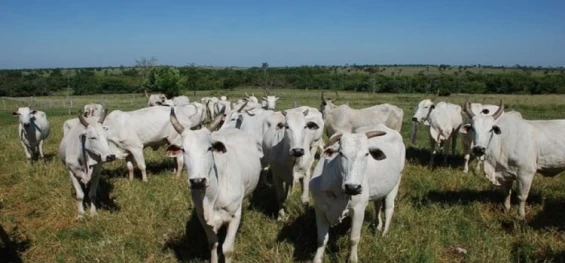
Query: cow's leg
(378, 212)
(41, 149)
(228, 246)
(467, 158)
(445, 150)
(26, 150)
(129, 164)
(282, 191)
(140, 161)
(211, 237)
(507, 191)
(389, 207)
(93, 188)
(180, 164)
(357, 216)
(524, 185)
(322, 226)
(79, 195)
(454, 135)
(479, 160)
(433, 151)
(305, 198)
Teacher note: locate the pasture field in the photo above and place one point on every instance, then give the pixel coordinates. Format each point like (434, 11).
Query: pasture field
(437, 213)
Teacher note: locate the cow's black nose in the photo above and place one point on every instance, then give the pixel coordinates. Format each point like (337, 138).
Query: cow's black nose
(353, 189)
(414, 119)
(479, 150)
(26, 125)
(110, 158)
(197, 183)
(297, 152)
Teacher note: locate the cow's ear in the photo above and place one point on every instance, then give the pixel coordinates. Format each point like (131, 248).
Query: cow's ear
(465, 128)
(329, 152)
(15, 113)
(33, 112)
(496, 130)
(312, 125)
(277, 98)
(377, 154)
(218, 147)
(173, 151)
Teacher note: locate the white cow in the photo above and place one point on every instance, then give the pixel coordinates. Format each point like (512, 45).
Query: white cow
(340, 119)
(83, 150)
(181, 100)
(515, 149)
(223, 97)
(93, 109)
(269, 102)
(357, 168)
(33, 130)
(90, 110)
(155, 99)
(222, 170)
(251, 98)
(148, 127)
(467, 137)
(291, 138)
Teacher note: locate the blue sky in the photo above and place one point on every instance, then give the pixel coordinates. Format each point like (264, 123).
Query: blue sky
(283, 33)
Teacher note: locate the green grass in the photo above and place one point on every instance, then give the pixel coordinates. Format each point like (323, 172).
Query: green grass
(436, 211)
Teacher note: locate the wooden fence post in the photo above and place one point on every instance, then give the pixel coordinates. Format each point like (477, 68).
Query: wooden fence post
(294, 104)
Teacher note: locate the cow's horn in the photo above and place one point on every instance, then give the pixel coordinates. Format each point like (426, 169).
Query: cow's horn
(212, 126)
(242, 106)
(499, 111)
(333, 140)
(467, 109)
(175, 122)
(372, 134)
(82, 120)
(103, 117)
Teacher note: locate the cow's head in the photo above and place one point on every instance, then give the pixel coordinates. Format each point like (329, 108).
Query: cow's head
(353, 152)
(198, 149)
(423, 110)
(25, 115)
(223, 97)
(92, 110)
(328, 103)
(270, 102)
(251, 97)
(483, 127)
(95, 139)
(296, 128)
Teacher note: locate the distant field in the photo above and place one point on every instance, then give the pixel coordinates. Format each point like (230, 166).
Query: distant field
(436, 211)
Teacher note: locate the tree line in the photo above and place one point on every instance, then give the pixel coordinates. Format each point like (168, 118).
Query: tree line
(365, 78)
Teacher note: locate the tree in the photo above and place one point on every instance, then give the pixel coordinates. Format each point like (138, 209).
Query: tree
(145, 66)
(264, 67)
(164, 80)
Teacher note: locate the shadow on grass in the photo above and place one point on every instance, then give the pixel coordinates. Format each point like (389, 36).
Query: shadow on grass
(526, 252)
(152, 168)
(10, 250)
(302, 233)
(422, 157)
(193, 244)
(467, 196)
(264, 198)
(551, 216)
(103, 198)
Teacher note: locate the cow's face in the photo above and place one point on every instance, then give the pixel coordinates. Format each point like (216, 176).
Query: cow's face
(483, 128)
(353, 152)
(297, 130)
(25, 115)
(198, 151)
(92, 110)
(223, 98)
(270, 102)
(423, 110)
(95, 140)
(233, 119)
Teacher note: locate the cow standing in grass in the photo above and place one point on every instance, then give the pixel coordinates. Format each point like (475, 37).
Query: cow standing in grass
(33, 129)
(357, 168)
(291, 138)
(467, 136)
(515, 149)
(90, 110)
(342, 118)
(222, 170)
(83, 150)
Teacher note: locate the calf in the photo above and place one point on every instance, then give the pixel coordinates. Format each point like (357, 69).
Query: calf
(357, 168)
(83, 150)
(33, 129)
(222, 170)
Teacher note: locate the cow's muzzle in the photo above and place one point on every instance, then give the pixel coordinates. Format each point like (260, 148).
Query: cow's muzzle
(26, 124)
(198, 183)
(297, 152)
(353, 189)
(110, 157)
(415, 119)
(479, 150)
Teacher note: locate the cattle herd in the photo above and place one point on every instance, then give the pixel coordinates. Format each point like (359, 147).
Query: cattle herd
(229, 147)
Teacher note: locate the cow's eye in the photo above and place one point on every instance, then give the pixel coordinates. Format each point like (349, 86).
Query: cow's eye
(286, 126)
(209, 149)
(367, 154)
(92, 138)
